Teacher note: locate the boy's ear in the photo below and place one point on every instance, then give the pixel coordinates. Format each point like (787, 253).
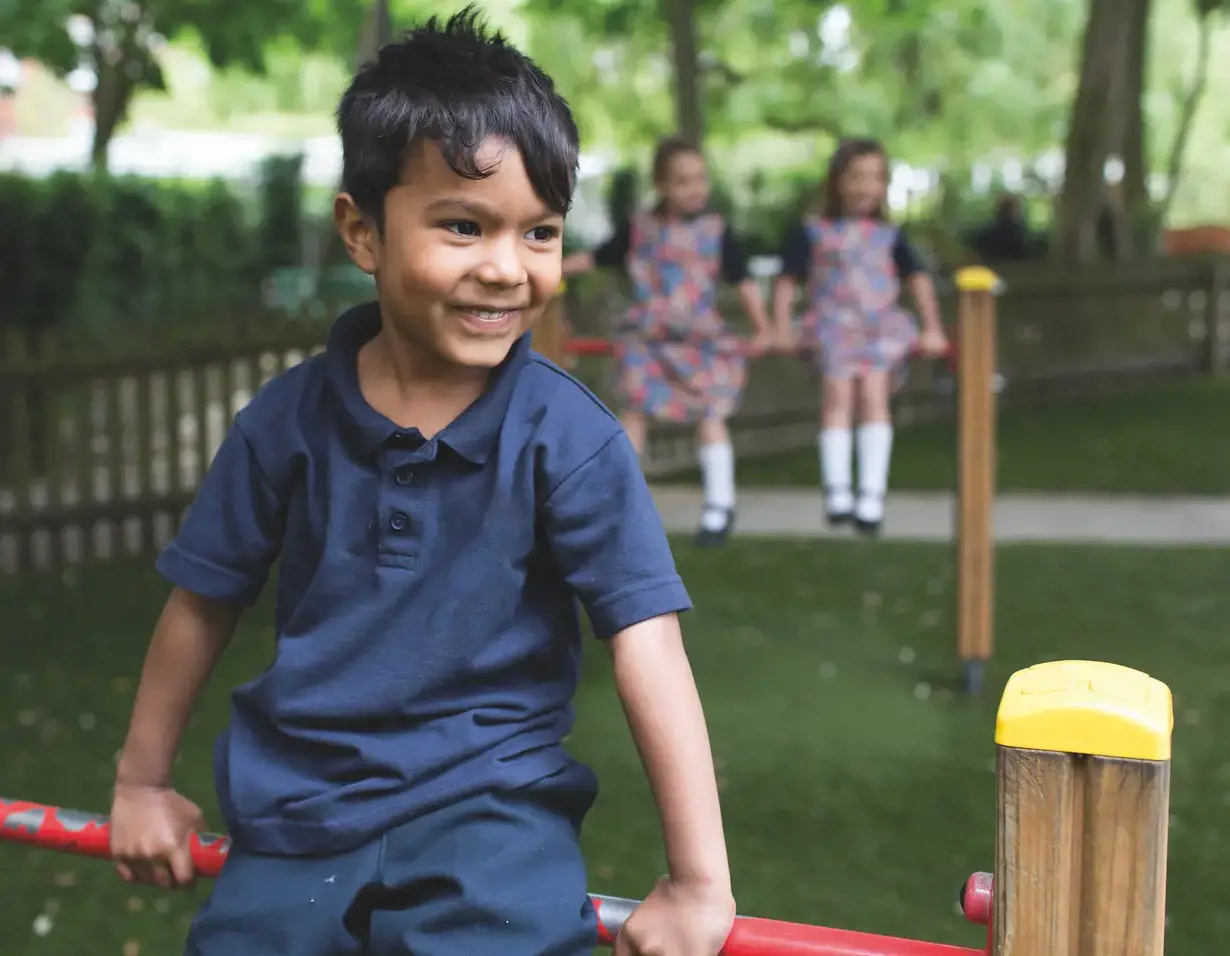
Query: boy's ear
(358, 232)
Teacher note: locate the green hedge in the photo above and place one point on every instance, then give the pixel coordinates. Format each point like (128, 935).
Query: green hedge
(78, 250)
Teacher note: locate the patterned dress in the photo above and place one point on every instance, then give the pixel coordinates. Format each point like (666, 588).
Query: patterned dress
(853, 316)
(677, 362)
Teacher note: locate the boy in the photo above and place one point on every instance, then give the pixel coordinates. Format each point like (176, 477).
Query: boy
(438, 497)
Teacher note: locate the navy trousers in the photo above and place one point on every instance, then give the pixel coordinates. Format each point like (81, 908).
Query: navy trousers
(495, 874)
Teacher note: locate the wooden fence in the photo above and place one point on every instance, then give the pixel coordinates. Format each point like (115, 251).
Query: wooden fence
(103, 440)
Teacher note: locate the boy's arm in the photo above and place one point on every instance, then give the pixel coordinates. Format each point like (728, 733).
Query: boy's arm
(655, 685)
(217, 563)
(189, 637)
(608, 540)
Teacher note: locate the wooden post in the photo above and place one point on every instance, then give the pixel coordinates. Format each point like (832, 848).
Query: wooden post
(1082, 798)
(976, 363)
(548, 335)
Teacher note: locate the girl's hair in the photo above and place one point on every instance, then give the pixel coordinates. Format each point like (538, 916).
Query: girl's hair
(848, 150)
(666, 152)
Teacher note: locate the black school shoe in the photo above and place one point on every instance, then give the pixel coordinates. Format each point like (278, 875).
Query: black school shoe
(714, 537)
(870, 529)
(836, 519)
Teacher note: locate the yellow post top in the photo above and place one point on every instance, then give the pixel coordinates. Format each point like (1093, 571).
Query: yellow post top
(1086, 707)
(978, 279)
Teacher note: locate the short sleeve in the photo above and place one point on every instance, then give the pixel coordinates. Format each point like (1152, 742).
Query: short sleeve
(734, 261)
(233, 530)
(796, 253)
(906, 258)
(614, 252)
(609, 543)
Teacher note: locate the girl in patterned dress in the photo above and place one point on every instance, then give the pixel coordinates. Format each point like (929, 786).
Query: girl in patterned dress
(854, 263)
(677, 362)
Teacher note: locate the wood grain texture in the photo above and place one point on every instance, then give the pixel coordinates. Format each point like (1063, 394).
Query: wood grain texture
(1080, 857)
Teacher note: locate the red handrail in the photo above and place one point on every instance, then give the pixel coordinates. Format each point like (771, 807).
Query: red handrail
(88, 834)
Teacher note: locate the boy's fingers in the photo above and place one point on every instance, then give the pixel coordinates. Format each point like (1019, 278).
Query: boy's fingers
(182, 869)
(125, 872)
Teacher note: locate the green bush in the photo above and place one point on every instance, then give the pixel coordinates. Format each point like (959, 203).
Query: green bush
(79, 250)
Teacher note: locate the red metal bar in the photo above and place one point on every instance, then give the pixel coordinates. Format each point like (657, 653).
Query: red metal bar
(597, 346)
(88, 834)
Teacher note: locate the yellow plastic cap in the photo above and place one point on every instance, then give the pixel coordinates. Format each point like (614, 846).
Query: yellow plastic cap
(978, 279)
(1086, 707)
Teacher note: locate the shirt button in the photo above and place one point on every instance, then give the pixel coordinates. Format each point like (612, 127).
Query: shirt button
(398, 521)
(404, 477)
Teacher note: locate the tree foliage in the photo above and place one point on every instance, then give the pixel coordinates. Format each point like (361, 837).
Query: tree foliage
(117, 41)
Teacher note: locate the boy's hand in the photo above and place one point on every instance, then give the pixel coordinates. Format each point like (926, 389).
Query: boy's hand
(150, 832)
(678, 920)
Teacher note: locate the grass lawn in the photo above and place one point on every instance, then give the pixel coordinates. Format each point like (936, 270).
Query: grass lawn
(858, 789)
(1165, 438)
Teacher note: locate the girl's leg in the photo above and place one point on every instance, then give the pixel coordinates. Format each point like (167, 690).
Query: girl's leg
(717, 467)
(875, 449)
(636, 429)
(835, 445)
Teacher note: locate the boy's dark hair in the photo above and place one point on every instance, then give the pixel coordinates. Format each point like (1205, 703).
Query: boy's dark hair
(666, 152)
(454, 84)
(848, 150)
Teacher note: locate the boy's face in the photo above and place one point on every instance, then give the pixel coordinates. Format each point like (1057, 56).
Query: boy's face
(463, 267)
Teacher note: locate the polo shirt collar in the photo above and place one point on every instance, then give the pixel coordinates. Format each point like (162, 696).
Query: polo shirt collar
(472, 434)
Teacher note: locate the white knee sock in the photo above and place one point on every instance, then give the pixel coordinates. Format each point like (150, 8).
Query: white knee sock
(717, 468)
(875, 450)
(835, 471)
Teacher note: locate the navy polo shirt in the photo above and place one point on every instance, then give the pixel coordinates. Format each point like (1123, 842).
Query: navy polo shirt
(428, 638)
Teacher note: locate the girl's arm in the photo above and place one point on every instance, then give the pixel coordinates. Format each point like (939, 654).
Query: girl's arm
(735, 272)
(796, 258)
(753, 305)
(612, 253)
(914, 273)
(577, 263)
(783, 303)
(922, 292)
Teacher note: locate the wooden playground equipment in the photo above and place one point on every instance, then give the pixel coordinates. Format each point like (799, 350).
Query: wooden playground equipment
(1082, 810)
(976, 345)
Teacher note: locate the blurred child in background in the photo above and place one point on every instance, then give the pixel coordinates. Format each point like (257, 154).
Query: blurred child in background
(853, 263)
(677, 361)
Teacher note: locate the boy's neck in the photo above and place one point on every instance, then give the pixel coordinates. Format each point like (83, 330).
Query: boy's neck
(414, 389)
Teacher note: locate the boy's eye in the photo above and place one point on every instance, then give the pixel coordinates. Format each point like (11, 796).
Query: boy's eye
(462, 227)
(543, 233)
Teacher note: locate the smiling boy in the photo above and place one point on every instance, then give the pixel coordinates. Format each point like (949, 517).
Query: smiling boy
(438, 499)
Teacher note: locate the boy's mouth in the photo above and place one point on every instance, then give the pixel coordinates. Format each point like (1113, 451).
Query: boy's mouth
(487, 319)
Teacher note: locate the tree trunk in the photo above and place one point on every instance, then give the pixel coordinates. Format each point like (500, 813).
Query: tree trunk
(1135, 150)
(1195, 93)
(681, 18)
(110, 100)
(1096, 126)
(377, 32)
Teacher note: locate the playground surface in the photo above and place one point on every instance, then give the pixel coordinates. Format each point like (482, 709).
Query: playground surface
(858, 786)
(1160, 438)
